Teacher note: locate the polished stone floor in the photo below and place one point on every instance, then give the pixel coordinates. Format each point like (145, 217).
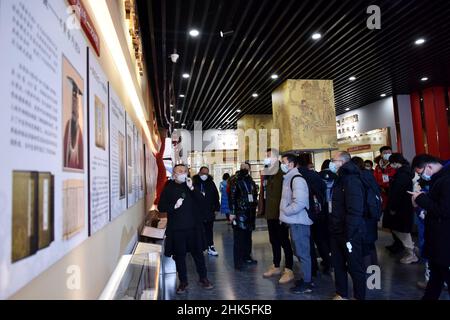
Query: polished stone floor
(398, 282)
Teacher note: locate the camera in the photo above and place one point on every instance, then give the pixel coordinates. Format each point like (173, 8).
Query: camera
(174, 57)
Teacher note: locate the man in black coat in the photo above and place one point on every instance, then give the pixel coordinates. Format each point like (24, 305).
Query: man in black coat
(184, 231)
(347, 227)
(210, 203)
(437, 220)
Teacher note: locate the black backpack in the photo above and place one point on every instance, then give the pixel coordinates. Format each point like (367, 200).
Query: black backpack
(373, 204)
(317, 196)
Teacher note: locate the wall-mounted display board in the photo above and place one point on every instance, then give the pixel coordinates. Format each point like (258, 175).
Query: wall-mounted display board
(141, 175)
(131, 162)
(118, 155)
(98, 146)
(43, 138)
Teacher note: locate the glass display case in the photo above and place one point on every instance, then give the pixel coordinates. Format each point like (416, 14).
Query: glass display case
(137, 276)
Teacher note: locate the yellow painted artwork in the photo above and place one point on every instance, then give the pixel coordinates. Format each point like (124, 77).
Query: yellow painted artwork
(304, 111)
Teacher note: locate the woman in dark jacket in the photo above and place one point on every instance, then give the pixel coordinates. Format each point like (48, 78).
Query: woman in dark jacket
(400, 206)
(243, 203)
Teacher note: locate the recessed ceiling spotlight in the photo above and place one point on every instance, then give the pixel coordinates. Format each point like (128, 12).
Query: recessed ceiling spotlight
(316, 36)
(274, 76)
(424, 79)
(194, 33)
(255, 95)
(185, 75)
(227, 121)
(178, 111)
(352, 78)
(177, 122)
(171, 105)
(383, 95)
(347, 109)
(183, 124)
(420, 41)
(238, 111)
(182, 95)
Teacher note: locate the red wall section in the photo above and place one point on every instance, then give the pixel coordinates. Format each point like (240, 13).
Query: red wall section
(441, 122)
(417, 123)
(430, 122)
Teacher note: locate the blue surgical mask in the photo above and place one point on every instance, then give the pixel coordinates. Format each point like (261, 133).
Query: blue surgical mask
(424, 176)
(284, 167)
(386, 156)
(333, 168)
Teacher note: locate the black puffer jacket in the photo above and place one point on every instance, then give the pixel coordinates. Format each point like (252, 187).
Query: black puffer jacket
(400, 210)
(347, 214)
(209, 203)
(371, 223)
(240, 205)
(437, 219)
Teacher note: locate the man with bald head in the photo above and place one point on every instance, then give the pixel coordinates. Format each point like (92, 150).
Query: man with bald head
(347, 227)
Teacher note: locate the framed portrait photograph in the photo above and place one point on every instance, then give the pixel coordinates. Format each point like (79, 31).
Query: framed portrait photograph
(72, 117)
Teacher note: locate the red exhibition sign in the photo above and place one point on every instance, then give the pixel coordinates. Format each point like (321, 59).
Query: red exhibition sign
(86, 24)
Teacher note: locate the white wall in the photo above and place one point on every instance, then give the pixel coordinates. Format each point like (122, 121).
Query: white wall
(376, 115)
(406, 126)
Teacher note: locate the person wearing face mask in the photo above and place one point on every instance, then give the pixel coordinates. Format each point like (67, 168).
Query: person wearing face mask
(293, 212)
(270, 197)
(399, 206)
(184, 231)
(437, 220)
(210, 203)
(243, 203)
(383, 175)
(368, 165)
(347, 227)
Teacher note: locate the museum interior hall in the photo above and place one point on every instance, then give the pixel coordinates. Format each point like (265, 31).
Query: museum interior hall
(225, 150)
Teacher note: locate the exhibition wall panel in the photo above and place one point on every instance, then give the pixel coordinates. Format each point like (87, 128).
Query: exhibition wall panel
(61, 161)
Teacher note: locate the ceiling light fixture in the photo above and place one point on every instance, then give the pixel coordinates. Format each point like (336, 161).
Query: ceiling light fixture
(352, 78)
(194, 33)
(238, 111)
(424, 79)
(177, 122)
(226, 34)
(383, 95)
(185, 75)
(255, 95)
(178, 111)
(182, 95)
(347, 109)
(274, 76)
(420, 41)
(316, 36)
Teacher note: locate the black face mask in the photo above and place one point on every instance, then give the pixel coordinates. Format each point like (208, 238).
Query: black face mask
(243, 172)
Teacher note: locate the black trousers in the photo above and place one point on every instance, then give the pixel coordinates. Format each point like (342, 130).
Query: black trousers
(279, 238)
(209, 232)
(185, 241)
(353, 263)
(438, 275)
(242, 246)
(321, 237)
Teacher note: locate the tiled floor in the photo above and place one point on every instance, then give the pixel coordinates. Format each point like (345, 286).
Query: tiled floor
(397, 281)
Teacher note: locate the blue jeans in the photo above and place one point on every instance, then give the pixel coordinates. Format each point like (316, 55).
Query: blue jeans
(300, 237)
(421, 230)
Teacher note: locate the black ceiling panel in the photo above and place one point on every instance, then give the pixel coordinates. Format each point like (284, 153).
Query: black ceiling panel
(274, 36)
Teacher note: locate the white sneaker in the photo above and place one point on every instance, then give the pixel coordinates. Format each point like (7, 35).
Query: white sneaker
(212, 251)
(410, 257)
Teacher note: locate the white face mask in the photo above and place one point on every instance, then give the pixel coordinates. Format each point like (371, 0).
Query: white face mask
(267, 161)
(284, 167)
(204, 177)
(386, 156)
(181, 178)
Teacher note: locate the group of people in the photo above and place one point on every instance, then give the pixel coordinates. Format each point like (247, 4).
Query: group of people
(334, 212)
